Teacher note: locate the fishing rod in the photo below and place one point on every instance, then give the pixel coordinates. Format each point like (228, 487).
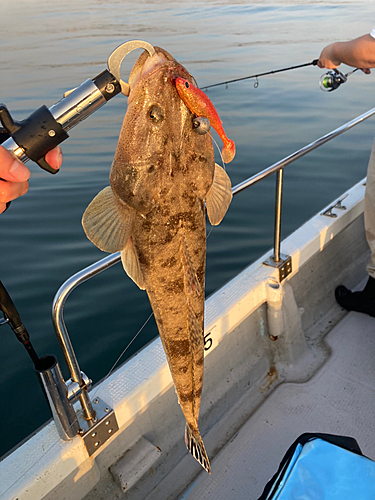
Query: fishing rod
(12, 317)
(312, 63)
(328, 82)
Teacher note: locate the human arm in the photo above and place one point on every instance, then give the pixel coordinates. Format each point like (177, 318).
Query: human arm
(14, 175)
(359, 53)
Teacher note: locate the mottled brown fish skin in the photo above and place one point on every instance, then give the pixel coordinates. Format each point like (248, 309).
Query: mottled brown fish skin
(163, 169)
(160, 254)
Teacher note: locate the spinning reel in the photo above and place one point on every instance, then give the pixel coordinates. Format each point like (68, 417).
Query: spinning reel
(333, 79)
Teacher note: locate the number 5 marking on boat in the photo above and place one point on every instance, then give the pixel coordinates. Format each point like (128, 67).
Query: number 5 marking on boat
(207, 341)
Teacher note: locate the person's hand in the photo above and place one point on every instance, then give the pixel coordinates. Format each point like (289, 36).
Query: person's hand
(14, 175)
(358, 53)
(327, 58)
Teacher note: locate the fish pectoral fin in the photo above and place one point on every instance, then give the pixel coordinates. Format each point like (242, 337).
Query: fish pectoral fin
(219, 196)
(191, 282)
(194, 444)
(130, 262)
(107, 222)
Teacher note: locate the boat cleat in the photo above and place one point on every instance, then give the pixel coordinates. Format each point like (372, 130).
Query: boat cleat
(336, 205)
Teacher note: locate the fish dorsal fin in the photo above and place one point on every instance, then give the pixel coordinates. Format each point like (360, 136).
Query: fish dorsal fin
(107, 222)
(219, 196)
(190, 276)
(130, 262)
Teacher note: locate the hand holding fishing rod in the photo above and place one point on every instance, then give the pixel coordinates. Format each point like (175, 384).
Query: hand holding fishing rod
(359, 53)
(328, 82)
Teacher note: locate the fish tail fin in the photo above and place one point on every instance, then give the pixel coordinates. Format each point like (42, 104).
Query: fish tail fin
(194, 444)
(229, 150)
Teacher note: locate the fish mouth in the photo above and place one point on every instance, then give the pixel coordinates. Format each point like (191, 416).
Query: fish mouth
(147, 64)
(144, 67)
(152, 62)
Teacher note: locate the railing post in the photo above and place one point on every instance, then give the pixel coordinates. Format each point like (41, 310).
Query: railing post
(281, 262)
(278, 209)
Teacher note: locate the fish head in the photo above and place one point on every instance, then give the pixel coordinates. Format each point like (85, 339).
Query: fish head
(158, 144)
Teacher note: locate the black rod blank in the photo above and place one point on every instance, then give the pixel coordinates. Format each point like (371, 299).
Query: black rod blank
(11, 314)
(312, 63)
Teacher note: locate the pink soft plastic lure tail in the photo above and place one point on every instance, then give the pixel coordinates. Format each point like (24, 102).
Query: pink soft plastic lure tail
(200, 104)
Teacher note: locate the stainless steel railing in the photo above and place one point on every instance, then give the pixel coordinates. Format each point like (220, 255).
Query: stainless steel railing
(103, 264)
(62, 334)
(280, 165)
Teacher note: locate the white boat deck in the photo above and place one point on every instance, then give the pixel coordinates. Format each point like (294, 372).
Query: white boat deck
(338, 399)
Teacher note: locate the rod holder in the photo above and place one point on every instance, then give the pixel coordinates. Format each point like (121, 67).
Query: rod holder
(57, 394)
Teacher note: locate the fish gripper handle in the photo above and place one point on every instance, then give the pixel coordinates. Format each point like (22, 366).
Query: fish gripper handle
(36, 135)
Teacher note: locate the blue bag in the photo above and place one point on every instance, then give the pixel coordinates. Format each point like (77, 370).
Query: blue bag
(323, 467)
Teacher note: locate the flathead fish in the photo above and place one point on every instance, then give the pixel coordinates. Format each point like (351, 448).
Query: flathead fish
(162, 179)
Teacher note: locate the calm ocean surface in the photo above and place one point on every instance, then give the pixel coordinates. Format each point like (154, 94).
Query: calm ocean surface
(48, 48)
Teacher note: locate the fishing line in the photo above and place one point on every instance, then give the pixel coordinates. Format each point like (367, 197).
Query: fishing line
(121, 355)
(218, 148)
(221, 156)
(91, 399)
(224, 165)
(208, 235)
(312, 63)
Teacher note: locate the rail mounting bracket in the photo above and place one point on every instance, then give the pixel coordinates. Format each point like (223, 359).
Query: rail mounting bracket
(96, 433)
(284, 265)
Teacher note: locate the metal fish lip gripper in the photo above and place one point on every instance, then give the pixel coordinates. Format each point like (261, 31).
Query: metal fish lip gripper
(32, 138)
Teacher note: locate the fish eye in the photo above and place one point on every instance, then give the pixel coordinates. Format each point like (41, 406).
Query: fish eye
(187, 85)
(156, 114)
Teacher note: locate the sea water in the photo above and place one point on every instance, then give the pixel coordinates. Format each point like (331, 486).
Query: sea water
(48, 48)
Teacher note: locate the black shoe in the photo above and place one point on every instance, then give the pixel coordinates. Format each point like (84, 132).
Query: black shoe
(363, 301)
